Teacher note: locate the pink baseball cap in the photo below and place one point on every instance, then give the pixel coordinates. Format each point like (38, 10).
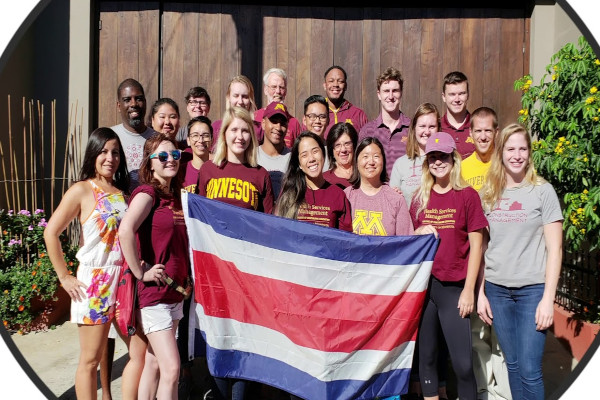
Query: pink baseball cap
(440, 141)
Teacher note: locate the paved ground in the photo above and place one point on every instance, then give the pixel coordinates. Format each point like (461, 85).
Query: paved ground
(53, 356)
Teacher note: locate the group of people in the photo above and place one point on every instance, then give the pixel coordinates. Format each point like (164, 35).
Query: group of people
(456, 176)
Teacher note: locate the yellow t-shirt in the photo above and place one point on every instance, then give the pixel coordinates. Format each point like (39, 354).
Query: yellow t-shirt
(473, 170)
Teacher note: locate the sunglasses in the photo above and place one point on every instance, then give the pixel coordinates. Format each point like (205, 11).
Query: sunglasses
(163, 156)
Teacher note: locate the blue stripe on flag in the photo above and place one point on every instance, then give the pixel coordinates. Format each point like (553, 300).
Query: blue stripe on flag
(309, 239)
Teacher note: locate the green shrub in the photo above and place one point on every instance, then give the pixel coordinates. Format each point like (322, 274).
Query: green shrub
(563, 115)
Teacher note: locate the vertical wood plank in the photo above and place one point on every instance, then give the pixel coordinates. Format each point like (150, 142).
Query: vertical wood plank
(149, 49)
(210, 56)
(371, 62)
(348, 50)
(392, 38)
(107, 73)
(270, 50)
(491, 63)
(431, 69)
(471, 55)
(511, 69)
(321, 47)
(411, 66)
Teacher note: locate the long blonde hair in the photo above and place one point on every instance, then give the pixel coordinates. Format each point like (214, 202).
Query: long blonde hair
(423, 193)
(412, 145)
(250, 154)
(495, 182)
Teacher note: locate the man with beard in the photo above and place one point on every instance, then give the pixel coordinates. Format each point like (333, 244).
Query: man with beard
(340, 109)
(275, 88)
(133, 132)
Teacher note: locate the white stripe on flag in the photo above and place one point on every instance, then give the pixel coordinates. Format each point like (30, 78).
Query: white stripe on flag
(366, 278)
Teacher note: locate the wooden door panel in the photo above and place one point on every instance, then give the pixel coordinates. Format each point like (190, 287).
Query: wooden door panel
(179, 45)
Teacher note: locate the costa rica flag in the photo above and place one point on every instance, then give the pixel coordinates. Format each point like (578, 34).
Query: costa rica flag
(315, 311)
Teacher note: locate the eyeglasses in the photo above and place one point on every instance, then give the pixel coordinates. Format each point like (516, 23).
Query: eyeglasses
(275, 87)
(163, 156)
(346, 145)
(312, 117)
(205, 137)
(200, 103)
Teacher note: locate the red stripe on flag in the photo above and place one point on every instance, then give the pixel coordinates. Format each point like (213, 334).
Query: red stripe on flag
(321, 319)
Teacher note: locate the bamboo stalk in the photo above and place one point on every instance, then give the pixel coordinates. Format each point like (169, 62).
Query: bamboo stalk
(17, 180)
(33, 159)
(26, 198)
(67, 150)
(10, 154)
(4, 175)
(42, 164)
(52, 151)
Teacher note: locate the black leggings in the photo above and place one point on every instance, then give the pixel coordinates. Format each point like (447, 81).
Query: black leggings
(441, 312)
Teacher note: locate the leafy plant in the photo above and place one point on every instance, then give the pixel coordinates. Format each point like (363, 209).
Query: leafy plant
(563, 114)
(26, 272)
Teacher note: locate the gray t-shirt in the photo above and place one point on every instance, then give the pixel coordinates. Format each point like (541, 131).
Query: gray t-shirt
(276, 166)
(406, 176)
(133, 146)
(516, 253)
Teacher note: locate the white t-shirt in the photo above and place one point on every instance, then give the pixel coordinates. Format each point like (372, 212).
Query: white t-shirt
(133, 146)
(277, 166)
(406, 175)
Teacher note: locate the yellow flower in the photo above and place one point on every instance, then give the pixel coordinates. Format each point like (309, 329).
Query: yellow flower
(555, 67)
(554, 76)
(589, 100)
(529, 82)
(585, 191)
(585, 159)
(521, 112)
(596, 119)
(561, 139)
(597, 62)
(583, 231)
(593, 90)
(580, 211)
(5, 291)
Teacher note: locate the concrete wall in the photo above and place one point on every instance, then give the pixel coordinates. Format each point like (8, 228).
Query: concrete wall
(551, 29)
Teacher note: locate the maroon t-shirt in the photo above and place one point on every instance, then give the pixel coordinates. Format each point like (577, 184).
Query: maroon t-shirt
(347, 112)
(454, 214)
(191, 177)
(238, 184)
(464, 142)
(162, 239)
(327, 206)
(332, 178)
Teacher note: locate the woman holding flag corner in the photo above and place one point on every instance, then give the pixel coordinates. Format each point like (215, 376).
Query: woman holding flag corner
(155, 245)
(448, 207)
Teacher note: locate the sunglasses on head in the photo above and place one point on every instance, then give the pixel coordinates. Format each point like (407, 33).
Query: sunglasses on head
(163, 156)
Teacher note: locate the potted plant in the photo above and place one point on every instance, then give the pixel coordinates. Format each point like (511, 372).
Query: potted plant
(29, 287)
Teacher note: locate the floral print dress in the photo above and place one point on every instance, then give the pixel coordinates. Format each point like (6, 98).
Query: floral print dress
(100, 259)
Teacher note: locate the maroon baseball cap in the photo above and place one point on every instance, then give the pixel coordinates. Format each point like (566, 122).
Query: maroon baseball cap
(276, 107)
(440, 141)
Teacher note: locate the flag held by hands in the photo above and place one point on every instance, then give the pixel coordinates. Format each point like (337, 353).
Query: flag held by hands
(315, 311)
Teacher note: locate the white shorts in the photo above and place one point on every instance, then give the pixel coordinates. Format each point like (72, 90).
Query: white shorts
(160, 317)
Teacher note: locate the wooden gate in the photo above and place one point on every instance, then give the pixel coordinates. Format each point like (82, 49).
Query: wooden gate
(170, 47)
